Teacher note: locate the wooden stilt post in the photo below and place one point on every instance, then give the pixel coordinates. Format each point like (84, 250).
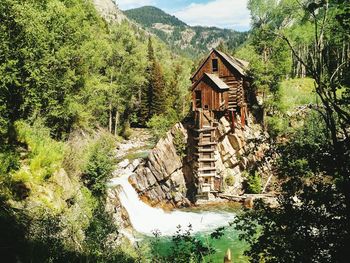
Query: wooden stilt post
(243, 116)
(232, 116)
(228, 257)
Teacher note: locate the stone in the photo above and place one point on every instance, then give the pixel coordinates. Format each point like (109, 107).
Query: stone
(249, 202)
(123, 164)
(235, 141)
(244, 163)
(150, 177)
(178, 178)
(226, 147)
(136, 163)
(62, 179)
(177, 197)
(236, 171)
(232, 162)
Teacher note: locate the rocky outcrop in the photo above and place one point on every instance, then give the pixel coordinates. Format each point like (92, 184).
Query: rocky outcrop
(167, 181)
(239, 150)
(109, 11)
(163, 179)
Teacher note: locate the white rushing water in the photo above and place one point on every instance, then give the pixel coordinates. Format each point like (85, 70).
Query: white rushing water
(146, 219)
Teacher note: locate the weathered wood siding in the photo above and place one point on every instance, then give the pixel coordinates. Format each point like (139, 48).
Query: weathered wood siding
(229, 75)
(224, 69)
(211, 97)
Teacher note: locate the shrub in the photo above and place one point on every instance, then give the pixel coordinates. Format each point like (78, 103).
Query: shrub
(127, 132)
(45, 154)
(230, 180)
(9, 160)
(100, 165)
(254, 184)
(180, 143)
(277, 125)
(159, 125)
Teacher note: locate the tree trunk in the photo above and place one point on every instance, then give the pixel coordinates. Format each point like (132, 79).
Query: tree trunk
(116, 123)
(110, 117)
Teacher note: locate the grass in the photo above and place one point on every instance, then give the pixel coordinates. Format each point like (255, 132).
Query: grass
(45, 155)
(137, 155)
(296, 92)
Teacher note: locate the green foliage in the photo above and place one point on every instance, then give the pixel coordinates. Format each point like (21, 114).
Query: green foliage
(160, 124)
(100, 165)
(185, 247)
(153, 100)
(310, 221)
(148, 15)
(9, 161)
(63, 69)
(45, 155)
(277, 125)
(296, 92)
(127, 132)
(44, 63)
(253, 183)
(100, 230)
(180, 143)
(230, 180)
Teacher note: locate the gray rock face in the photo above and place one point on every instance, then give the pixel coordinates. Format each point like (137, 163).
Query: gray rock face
(238, 150)
(165, 180)
(160, 180)
(109, 11)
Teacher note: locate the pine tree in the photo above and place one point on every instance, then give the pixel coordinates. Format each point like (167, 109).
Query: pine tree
(147, 90)
(158, 84)
(153, 95)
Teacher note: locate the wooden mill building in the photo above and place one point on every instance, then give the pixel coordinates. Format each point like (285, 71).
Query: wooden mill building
(218, 89)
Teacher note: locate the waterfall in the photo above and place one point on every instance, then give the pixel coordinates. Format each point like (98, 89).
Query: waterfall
(146, 219)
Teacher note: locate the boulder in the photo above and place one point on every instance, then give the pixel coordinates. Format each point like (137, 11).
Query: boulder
(226, 148)
(157, 177)
(235, 141)
(123, 164)
(150, 177)
(224, 127)
(178, 178)
(244, 163)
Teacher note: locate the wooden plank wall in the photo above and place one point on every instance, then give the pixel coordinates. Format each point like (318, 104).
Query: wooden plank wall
(224, 69)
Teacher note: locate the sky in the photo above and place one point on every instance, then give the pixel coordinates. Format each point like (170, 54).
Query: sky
(232, 14)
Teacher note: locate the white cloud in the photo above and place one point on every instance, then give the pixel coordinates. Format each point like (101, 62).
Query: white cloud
(127, 4)
(221, 13)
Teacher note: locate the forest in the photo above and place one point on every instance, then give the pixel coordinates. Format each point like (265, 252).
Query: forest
(73, 86)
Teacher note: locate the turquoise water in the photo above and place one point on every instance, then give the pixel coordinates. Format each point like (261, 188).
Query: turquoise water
(229, 240)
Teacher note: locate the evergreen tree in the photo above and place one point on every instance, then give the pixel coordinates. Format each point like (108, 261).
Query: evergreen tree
(153, 94)
(158, 86)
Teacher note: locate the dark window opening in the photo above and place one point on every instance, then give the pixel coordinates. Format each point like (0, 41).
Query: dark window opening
(198, 99)
(215, 65)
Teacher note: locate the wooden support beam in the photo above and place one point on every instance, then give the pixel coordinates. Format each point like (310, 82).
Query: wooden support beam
(228, 257)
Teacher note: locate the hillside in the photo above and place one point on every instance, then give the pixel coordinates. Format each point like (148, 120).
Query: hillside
(192, 41)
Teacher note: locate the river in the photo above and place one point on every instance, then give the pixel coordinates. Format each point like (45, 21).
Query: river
(146, 219)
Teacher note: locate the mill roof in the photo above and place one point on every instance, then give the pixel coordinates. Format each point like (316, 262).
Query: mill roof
(238, 64)
(219, 83)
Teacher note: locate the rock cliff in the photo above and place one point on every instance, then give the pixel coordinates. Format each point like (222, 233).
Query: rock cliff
(109, 11)
(238, 151)
(166, 180)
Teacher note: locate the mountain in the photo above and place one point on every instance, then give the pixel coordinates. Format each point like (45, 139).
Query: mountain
(109, 11)
(192, 41)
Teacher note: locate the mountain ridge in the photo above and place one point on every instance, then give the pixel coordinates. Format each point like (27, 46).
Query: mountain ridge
(193, 41)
